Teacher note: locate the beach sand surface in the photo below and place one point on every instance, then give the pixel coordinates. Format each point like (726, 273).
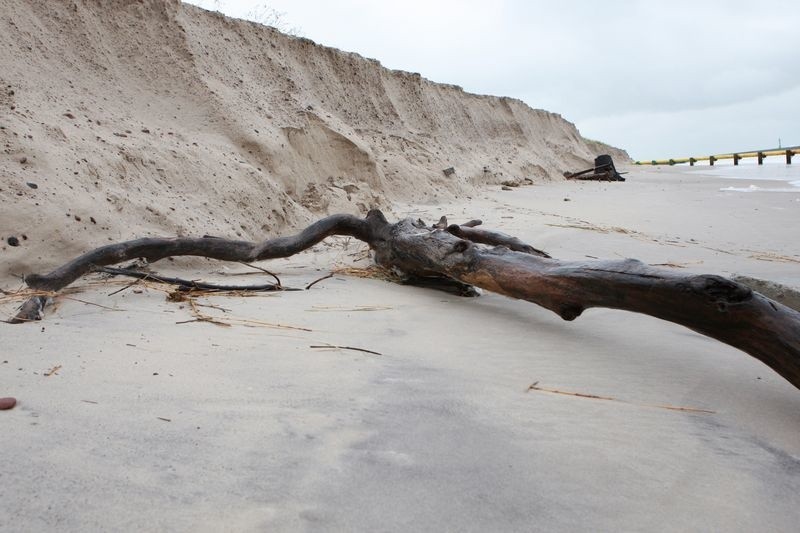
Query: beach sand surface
(130, 419)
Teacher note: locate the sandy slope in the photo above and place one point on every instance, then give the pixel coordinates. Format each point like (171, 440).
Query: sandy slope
(134, 118)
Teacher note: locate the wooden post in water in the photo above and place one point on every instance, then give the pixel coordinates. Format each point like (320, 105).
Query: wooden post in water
(736, 158)
(789, 155)
(711, 160)
(761, 157)
(692, 161)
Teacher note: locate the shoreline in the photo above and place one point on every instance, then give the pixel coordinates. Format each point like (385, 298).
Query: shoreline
(778, 174)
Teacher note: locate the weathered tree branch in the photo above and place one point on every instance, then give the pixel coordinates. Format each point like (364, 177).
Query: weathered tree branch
(493, 238)
(711, 305)
(154, 249)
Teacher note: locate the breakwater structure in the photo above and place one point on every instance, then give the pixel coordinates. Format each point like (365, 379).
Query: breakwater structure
(736, 156)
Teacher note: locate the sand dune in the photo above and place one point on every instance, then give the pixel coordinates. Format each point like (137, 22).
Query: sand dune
(155, 117)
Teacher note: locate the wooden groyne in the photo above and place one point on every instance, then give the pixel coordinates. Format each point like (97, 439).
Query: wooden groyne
(736, 156)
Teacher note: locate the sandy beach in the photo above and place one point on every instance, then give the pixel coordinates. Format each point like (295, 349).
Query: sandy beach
(145, 422)
(360, 404)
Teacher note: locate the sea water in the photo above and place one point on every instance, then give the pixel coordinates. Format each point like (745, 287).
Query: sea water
(784, 178)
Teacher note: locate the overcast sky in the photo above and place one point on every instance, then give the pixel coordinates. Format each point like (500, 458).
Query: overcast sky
(658, 78)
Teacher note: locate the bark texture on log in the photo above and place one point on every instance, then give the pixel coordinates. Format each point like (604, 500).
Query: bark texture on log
(711, 305)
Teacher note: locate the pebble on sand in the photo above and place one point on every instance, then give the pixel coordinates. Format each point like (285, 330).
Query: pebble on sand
(7, 403)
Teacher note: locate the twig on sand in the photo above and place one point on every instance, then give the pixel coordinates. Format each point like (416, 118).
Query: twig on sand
(185, 284)
(319, 308)
(317, 281)
(128, 286)
(772, 256)
(228, 321)
(52, 371)
(90, 303)
(335, 347)
(202, 317)
(677, 265)
(535, 386)
(259, 323)
(212, 306)
(264, 270)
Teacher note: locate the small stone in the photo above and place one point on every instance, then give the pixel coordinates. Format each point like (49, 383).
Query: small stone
(23, 160)
(77, 218)
(12, 241)
(145, 130)
(567, 200)
(69, 115)
(7, 403)
(449, 171)
(506, 188)
(31, 185)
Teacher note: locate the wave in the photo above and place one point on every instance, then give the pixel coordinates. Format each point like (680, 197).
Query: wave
(756, 188)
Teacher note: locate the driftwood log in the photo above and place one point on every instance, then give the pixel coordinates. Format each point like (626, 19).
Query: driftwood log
(711, 305)
(597, 176)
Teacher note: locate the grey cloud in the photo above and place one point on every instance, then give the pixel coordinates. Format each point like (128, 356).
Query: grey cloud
(603, 65)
